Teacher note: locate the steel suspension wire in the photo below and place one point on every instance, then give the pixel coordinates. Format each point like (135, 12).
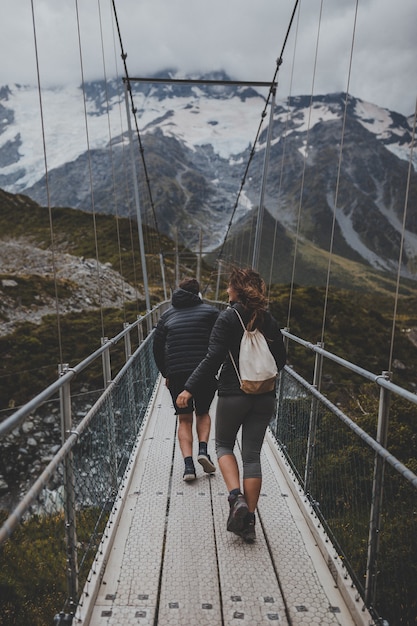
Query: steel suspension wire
(263, 115)
(339, 168)
(282, 169)
(51, 227)
(397, 287)
(114, 185)
(138, 135)
(90, 172)
(300, 204)
(125, 169)
(112, 161)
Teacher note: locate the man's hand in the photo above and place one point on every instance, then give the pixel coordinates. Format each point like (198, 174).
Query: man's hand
(183, 398)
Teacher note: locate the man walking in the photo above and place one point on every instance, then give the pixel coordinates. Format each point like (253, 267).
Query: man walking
(180, 343)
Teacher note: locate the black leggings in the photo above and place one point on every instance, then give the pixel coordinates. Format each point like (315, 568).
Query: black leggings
(251, 412)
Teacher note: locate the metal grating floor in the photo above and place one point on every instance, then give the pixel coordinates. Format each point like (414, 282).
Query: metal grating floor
(168, 559)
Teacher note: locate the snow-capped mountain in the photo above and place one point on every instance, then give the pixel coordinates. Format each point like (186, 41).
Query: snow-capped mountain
(197, 140)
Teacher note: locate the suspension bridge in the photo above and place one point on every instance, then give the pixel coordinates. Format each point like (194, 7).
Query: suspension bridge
(129, 542)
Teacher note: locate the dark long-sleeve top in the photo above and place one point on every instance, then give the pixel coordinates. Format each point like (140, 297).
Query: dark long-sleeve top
(226, 335)
(182, 334)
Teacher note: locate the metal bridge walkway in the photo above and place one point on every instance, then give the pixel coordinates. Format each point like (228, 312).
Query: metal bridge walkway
(170, 560)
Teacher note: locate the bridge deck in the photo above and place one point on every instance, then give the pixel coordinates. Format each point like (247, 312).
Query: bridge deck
(172, 562)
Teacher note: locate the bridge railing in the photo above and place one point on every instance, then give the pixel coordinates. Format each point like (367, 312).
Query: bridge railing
(84, 442)
(361, 493)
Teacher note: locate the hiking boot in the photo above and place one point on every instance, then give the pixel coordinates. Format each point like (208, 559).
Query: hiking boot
(248, 531)
(238, 511)
(207, 463)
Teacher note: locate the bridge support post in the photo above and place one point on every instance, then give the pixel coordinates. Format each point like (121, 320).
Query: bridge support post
(279, 395)
(377, 496)
(164, 286)
(199, 256)
(69, 494)
(140, 329)
(177, 258)
(219, 271)
(312, 428)
(106, 363)
(128, 345)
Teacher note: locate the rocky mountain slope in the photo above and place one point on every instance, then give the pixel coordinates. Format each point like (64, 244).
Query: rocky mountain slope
(337, 183)
(22, 262)
(37, 278)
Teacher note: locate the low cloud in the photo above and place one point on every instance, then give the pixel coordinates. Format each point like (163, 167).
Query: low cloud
(242, 37)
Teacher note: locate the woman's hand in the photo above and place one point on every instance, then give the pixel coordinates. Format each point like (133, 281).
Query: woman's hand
(183, 398)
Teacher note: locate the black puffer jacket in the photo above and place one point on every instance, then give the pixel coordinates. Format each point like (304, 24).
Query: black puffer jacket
(182, 334)
(226, 335)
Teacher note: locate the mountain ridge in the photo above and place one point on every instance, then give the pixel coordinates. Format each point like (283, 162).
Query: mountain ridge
(196, 149)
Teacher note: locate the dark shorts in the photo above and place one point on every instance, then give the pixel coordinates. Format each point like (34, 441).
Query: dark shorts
(201, 403)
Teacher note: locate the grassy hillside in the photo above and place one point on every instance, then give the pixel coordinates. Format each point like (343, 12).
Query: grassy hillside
(30, 354)
(357, 327)
(111, 240)
(358, 324)
(312, 262)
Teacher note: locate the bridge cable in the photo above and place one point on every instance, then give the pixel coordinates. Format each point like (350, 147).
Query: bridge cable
(141, 148)
(112, 163)
(114, 185)
(283, 160)
(90, 171)
(263, 115)
(397, 287)
(51, 227)
(339, 167)
(125, 169)
(300, 204)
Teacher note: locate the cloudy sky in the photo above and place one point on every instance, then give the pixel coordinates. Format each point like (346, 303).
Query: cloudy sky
(242, 37)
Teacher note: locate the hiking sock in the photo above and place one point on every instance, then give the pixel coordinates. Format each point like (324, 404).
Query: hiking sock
(189, 463)
(202, 447)
(234, 493)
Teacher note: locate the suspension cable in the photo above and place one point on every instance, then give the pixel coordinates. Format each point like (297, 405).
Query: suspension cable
(397, 288)
(281, 176)
(51, 227)
(90, 171)
(141, 148)
(112, 163)
(125, 170)
(300, 204)
(263, 115)
(339, 168)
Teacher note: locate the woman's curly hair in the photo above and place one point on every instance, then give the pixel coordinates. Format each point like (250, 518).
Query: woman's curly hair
(251, 290)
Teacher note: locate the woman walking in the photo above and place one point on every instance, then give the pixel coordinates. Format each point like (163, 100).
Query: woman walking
(235, 408)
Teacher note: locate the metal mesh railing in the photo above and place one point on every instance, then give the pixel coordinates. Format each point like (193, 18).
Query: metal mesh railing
(365, 497)
(396, 566)
(60, 501)
(56, 529)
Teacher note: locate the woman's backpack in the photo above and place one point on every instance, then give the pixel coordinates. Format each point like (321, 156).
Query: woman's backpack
(257, 370)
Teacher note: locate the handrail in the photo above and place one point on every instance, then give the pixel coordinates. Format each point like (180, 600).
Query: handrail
(379, 379)
(18, 416)
(370, 441)
(16, 515)
(111, 400)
